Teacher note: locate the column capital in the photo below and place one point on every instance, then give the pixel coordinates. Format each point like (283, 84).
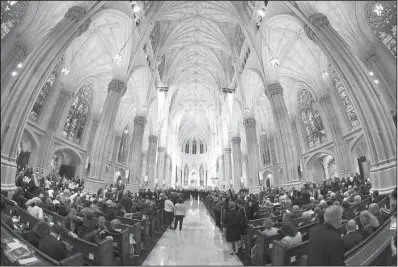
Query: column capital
(249, 122)
(275, 89)
(152, 138)
(117, 86)
(319, 20)
(236, 140)
(161, 149)
(309, 32)
(139, 120)
(227, 150)
(20, 48)
(325, 98)
(84, 27)
(75, 13)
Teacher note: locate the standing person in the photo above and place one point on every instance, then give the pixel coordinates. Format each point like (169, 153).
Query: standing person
(325, 246)
(169, 209)
(232, 222)
(179, 213)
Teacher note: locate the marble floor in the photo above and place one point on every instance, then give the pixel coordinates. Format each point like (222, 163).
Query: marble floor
(199, 243)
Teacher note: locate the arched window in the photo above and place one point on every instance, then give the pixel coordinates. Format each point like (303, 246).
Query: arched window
(12, 13)
(201, 148)
(78, 114)
(382, 18)
(187, 148)
(194, 147)
(311, 119)
(45, 91)
(122, 157)
(341, 90)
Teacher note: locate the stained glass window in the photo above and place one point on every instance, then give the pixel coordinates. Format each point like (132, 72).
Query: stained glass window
(382, 18)
(187, 148)
(202, 150)
(12, 13)
(311, 119)
(194, 147)
(46, 91)
(78, 114)
(122, 157)
(341, 90)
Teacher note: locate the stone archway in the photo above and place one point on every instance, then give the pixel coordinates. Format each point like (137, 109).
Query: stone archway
(119, 172)
(361, 153)
(66, 161)
(321, 166)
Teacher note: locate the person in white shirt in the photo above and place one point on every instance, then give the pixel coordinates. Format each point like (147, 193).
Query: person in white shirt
(179, 213)
(169, 209)
(292, 236)
(33, 208)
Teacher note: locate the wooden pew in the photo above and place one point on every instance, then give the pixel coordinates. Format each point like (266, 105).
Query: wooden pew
(144, 224)
(264, 246)
(75, 259)
(283, 255)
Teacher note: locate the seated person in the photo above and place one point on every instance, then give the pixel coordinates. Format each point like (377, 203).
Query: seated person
(4, 216)
(306, 219)
(357, 203)
(292, 236)
(72, 223)
(296, 213)
(90, 223)
(51, 245)
(269, 230)
(38, 231)
(319, 216)
(348, 213)
(375, 210)
(94, 206)
(369, 223)
(33, 208)
(353, 237)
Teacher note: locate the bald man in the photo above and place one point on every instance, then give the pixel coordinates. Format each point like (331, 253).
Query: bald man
(375, 210)
(353, 237)
(325, 246)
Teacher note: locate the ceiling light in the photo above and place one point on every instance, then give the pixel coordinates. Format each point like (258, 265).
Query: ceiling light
(263, 132)
(325, 74)
(376, 81)
(378, 9)
(65, 71)
(261, 12)
(136, 8)
(246, 110)
(14, 73)
(12, 2)
(19, 65)
(371, 73)
(275, 62)
(117, 58)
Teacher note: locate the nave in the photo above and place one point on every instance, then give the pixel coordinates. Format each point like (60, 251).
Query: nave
(199, 242)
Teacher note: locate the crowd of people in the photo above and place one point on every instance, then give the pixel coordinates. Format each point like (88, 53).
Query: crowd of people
(85, 214)
(327, 205)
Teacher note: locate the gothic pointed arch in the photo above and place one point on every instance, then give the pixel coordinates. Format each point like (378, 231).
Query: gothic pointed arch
(194, 146)
(78, 114)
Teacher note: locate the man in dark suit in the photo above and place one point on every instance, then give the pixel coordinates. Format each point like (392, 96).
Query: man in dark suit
(52, 246)
(353, 237)
(375, 210)
(325, 246)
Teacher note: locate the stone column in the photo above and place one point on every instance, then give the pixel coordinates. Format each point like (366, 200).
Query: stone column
(151, 159)
(160, 166)
(47, 143)
(118, 139)
(227, 167)
(17, 56)
(378, 126)
(94, 127)
(246, 161)
(221, 176)
(272, 152)
(37, 67)
(116, 90)
(237, 161)
(341, 153)
(284, 130)
(143, 168)
(253, 153)
(135, 151)
(167, 172)
(296, 139)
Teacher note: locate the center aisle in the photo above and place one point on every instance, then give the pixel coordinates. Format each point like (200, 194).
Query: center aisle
(199, 243)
